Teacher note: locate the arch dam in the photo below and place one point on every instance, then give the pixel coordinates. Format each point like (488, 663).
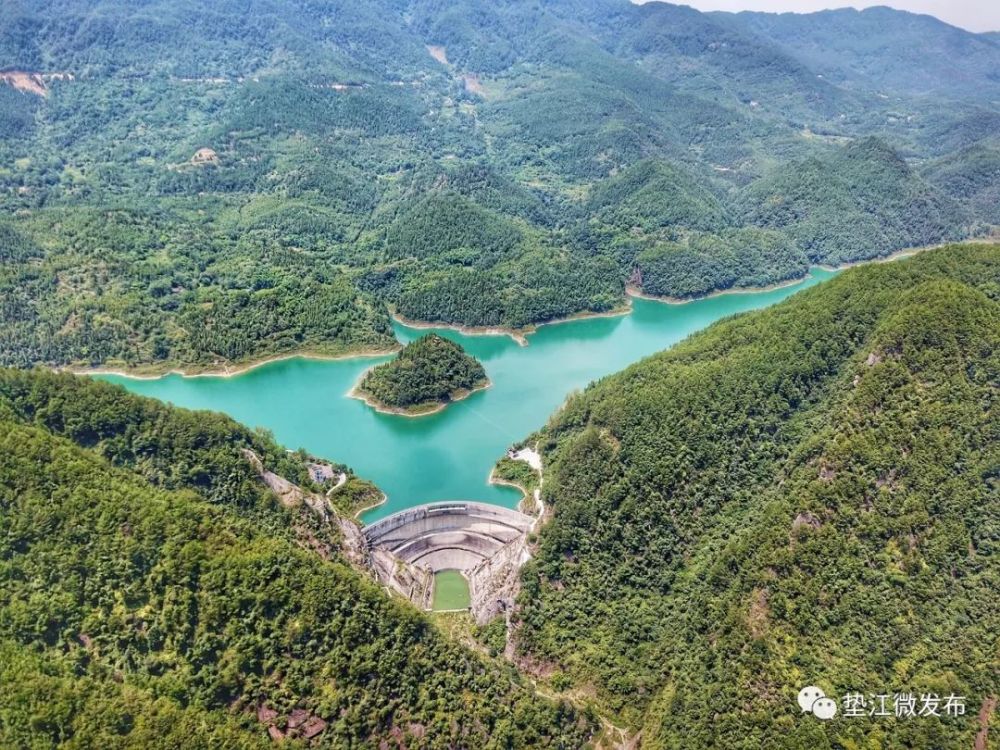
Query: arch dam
(486, 543)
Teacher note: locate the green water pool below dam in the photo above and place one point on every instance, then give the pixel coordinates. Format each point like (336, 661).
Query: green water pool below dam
(451, 591)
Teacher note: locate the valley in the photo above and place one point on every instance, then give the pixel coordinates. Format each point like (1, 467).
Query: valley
(460, 375)
(448, 455)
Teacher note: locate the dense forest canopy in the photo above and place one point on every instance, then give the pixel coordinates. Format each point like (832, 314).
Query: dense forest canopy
(153, 593)
(843, 43)
(805, 494)
(202, 186)
(864, 202)
(428, 372)
(802, 495)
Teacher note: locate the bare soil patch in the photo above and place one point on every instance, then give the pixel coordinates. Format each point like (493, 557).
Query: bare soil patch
(30, 83)
(438, 53)
(473, 85)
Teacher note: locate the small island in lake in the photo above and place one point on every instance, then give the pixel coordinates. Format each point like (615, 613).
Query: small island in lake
(425, 376)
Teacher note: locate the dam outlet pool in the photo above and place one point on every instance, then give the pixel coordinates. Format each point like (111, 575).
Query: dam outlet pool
(451, 591)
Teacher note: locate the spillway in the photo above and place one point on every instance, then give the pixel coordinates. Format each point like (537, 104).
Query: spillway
(486, 543)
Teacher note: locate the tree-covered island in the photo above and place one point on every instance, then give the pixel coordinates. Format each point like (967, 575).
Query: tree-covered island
(426, 376)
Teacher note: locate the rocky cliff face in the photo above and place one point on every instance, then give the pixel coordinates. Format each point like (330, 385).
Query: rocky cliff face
(495, 582)
(414, 582)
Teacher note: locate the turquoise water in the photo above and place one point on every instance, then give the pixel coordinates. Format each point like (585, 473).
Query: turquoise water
(448, 455)
(451, 591)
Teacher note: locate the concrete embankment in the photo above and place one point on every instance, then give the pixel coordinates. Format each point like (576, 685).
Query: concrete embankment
(487, 543)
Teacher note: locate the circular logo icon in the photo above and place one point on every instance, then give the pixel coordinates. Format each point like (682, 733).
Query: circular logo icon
(812, 700)
(809, 695)
(824, 708)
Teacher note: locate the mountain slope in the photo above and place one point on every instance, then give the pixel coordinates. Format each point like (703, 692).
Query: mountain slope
(886, 49)
(654, 194)
(212, 186)
(155, 593)
(972, 178)
(228, 38)
(701, 263)
(862, 201)
(708, 55)
(802, 495)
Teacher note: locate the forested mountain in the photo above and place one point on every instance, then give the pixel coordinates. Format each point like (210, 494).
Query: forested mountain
(802, 495)
(191, 185)
(807, 494)
(861, 202)
(882, 49)
(971, 178)
(154, 593)
(654, 194)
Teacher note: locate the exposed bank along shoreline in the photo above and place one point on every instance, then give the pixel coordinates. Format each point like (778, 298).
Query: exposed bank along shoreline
(533, 458)
(666, 299)
(153, 372)
(520, 335)
(417, 411)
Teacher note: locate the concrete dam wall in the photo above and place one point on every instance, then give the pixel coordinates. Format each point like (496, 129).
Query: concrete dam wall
(487, 543)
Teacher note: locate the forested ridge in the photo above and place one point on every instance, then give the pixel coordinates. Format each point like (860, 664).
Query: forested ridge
(864, 202)
(153, 593)
(802, 495)
(428, 372)
(201, 187)
(808, 494)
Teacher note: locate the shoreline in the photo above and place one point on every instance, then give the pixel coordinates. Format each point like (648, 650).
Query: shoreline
(525, 495)
(632, 291)
(378, 503)
(908, 252)
(494, 479)
(520, 335)
(228, 371)
(355, 392)
(617, 312)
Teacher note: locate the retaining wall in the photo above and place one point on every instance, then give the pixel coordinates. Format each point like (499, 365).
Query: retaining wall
(488, 543)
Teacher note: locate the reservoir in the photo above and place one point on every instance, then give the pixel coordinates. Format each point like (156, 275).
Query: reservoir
(448, 455)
